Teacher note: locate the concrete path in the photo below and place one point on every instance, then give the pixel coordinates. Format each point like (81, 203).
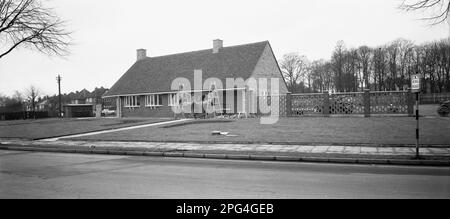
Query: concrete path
(169, 146)
(326, 153)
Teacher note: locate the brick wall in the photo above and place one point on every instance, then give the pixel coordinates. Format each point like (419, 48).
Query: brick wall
(267, 67)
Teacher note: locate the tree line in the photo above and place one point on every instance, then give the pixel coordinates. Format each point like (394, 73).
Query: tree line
(384, 68)
(21, 101)
(32, 97)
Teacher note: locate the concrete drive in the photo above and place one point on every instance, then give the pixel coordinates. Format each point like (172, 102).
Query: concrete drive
(317, 153)
(62, 175)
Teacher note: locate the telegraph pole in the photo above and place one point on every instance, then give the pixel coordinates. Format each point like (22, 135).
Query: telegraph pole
(58, 79)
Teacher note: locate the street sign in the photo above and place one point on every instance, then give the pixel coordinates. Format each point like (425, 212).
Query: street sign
(415, 83)
(415, 88)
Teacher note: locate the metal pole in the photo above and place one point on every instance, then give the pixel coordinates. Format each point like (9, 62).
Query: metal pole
(59, 95)
(417, 127)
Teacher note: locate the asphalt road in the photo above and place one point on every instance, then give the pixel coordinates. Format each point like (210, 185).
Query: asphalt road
(55, 175)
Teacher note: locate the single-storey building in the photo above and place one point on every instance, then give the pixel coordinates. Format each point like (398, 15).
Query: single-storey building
(78, 110)
(147, 88)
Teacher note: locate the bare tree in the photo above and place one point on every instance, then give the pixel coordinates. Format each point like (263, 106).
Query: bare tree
(321, 76)
(338, 63)
(351, 68)
(2, 100)
(379, 67)
(385, 68)
(18, 96)
(26, 23)
(406, 53)
(11, 104)
(32, 94)
(439, 9)
(294, 68)
(365, 55)
(392, 52)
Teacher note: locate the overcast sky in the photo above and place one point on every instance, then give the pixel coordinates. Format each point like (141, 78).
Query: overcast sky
(108, 32)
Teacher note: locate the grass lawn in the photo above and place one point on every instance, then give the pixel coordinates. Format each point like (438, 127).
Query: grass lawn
(47, 128)
(376, 130)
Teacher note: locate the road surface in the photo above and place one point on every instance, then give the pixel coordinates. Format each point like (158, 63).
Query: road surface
(56, 175)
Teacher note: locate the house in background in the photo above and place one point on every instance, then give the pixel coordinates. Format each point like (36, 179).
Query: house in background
(79, 105)
(145, 89)
(84, 96)
(80, 97)
(43, 105)
(84, 103)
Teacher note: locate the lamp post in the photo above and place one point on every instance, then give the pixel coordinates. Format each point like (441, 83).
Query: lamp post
(58, 79)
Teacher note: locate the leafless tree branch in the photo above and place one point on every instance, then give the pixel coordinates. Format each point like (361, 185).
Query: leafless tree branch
(26, 23)
(441, 9)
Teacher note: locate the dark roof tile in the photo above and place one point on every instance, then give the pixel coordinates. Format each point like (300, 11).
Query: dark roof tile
(155, 74)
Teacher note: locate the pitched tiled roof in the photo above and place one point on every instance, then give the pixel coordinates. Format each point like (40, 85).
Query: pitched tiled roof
(155, 74)
(98, 92)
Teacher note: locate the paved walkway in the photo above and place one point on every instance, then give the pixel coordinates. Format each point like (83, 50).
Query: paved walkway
(237, 148)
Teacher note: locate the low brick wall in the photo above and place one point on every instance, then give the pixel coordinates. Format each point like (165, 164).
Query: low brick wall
(356, 103)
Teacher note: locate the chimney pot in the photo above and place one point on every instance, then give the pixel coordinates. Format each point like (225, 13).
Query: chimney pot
(217, 45)
(141, 54)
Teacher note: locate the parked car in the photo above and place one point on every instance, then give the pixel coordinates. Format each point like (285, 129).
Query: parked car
(444, 109)
(107, 112)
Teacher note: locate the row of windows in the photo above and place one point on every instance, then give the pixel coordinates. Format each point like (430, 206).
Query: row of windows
(177, 99)
(153, 100)
(132, 101)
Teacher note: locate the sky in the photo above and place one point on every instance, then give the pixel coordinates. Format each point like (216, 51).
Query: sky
(106, 34)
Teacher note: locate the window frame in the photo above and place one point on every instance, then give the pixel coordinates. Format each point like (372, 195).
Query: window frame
(173, 100)
(153, 100)
(132, 102)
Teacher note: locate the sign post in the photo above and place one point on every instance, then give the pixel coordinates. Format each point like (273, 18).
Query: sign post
(58, 79)
(415, 88)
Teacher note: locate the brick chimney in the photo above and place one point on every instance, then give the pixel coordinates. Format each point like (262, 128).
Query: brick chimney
(141, 54)
(217, 45)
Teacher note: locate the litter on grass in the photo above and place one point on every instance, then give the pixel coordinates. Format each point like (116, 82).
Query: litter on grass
(227, 134)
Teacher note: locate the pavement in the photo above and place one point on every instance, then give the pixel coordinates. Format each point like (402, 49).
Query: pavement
(361, 154)
(26, 174)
